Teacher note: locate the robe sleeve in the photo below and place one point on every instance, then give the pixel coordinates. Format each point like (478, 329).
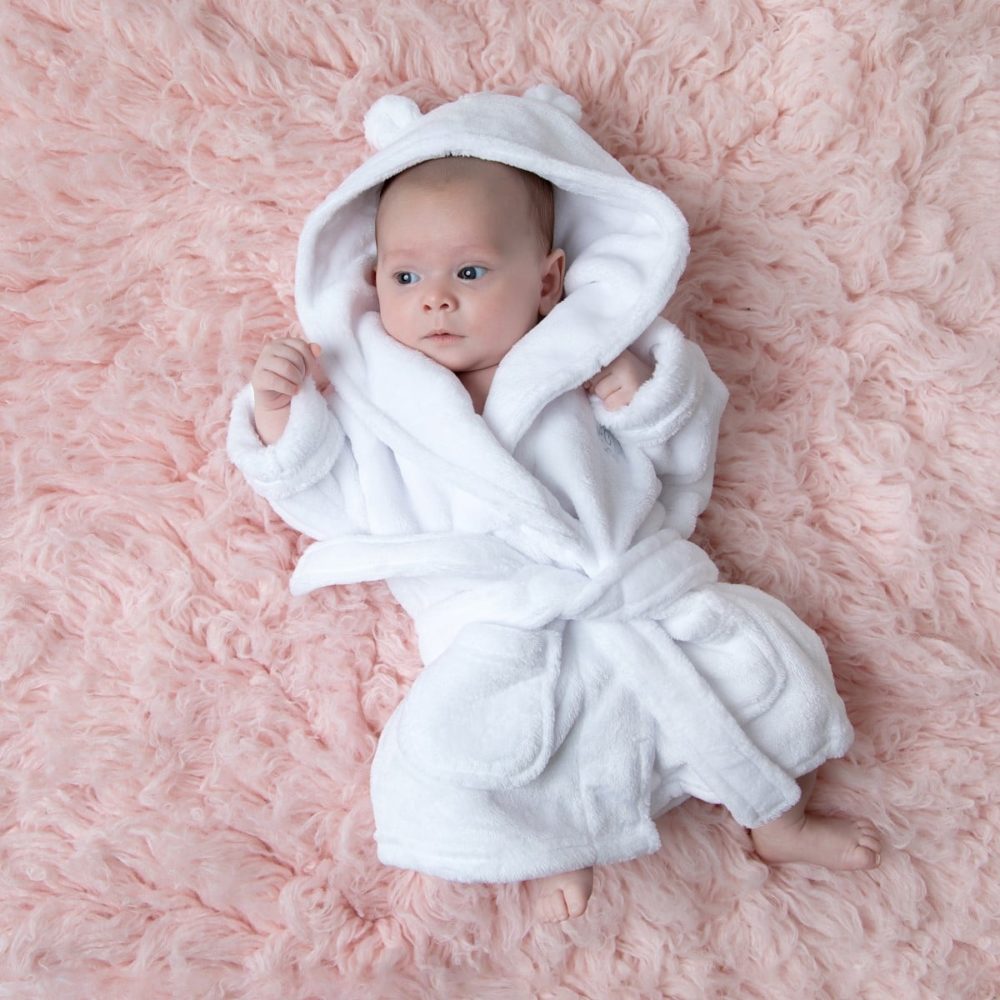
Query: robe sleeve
(674, 417)
(308, 475)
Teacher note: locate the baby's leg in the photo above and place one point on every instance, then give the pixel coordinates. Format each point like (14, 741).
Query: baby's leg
(559, 897)
(799, 835)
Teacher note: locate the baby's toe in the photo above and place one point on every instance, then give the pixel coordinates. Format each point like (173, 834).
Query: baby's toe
(866, 851)
(858, 857)
(871, 841)
(552, 907)
(576, 901)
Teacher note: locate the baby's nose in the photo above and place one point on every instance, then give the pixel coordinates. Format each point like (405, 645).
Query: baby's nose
(437, 295)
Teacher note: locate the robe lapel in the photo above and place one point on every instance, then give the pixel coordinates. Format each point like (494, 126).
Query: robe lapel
(422, 412)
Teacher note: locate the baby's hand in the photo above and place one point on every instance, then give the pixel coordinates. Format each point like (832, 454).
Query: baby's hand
(278, 375)
(280, 371)
(616, 383)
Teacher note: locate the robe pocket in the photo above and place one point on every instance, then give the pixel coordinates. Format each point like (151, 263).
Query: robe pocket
(482, 714)
(735, 649)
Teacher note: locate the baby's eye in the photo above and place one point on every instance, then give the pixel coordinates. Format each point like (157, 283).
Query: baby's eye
(470, 272)
(406, 278)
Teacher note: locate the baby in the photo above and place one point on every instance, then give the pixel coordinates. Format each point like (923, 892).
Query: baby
(465, 268)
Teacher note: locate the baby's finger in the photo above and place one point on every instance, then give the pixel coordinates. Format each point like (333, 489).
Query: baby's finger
(293, 371)
(294, 351)
(613, 392)
(316, 369)
(615, 400)
(604, 385)
(272, 381)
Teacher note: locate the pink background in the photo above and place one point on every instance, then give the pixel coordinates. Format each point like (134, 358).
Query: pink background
(184, 748)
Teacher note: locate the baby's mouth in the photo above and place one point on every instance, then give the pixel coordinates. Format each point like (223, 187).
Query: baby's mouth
(441, 336)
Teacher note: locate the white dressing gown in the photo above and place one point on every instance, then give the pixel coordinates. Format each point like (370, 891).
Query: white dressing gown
(584, 669)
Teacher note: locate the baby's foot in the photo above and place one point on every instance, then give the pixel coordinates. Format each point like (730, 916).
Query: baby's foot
(559, 897)
(844, 844)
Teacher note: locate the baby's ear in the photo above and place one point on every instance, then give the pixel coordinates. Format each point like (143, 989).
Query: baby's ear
(554, 270)
(388, 118)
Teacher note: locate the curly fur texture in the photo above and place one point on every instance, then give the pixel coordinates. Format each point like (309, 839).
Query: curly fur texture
(184, 748)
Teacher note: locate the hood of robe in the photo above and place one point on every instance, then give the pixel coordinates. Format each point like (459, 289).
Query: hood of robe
(625, 242)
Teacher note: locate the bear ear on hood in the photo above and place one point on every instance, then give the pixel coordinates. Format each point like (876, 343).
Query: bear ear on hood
(388, 118)
(392, 115)
(548, 94)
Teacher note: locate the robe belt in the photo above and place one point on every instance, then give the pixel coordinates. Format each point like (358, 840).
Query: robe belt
(506, 587)
(642, 583)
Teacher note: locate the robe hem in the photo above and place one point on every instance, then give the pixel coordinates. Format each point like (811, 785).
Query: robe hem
(835, 749)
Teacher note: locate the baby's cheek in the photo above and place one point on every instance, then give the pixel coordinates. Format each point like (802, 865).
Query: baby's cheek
(385, 310)
(395, 325)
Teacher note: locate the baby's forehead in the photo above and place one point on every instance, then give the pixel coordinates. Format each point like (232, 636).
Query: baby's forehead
(453, 169)
(460, 176)
(502, 198)
(487, 195)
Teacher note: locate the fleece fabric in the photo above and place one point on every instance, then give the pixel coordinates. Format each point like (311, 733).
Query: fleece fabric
(584, 669)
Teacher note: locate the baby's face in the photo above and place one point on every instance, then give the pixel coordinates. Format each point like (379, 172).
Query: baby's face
(461, 274)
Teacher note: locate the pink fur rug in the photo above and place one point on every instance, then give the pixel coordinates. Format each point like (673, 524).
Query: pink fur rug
(184, 748)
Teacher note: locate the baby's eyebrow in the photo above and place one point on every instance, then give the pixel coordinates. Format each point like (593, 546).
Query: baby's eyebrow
(412, 253)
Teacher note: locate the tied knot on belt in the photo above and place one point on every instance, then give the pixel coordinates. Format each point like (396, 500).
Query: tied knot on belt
(482, 712)
(644, 582)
